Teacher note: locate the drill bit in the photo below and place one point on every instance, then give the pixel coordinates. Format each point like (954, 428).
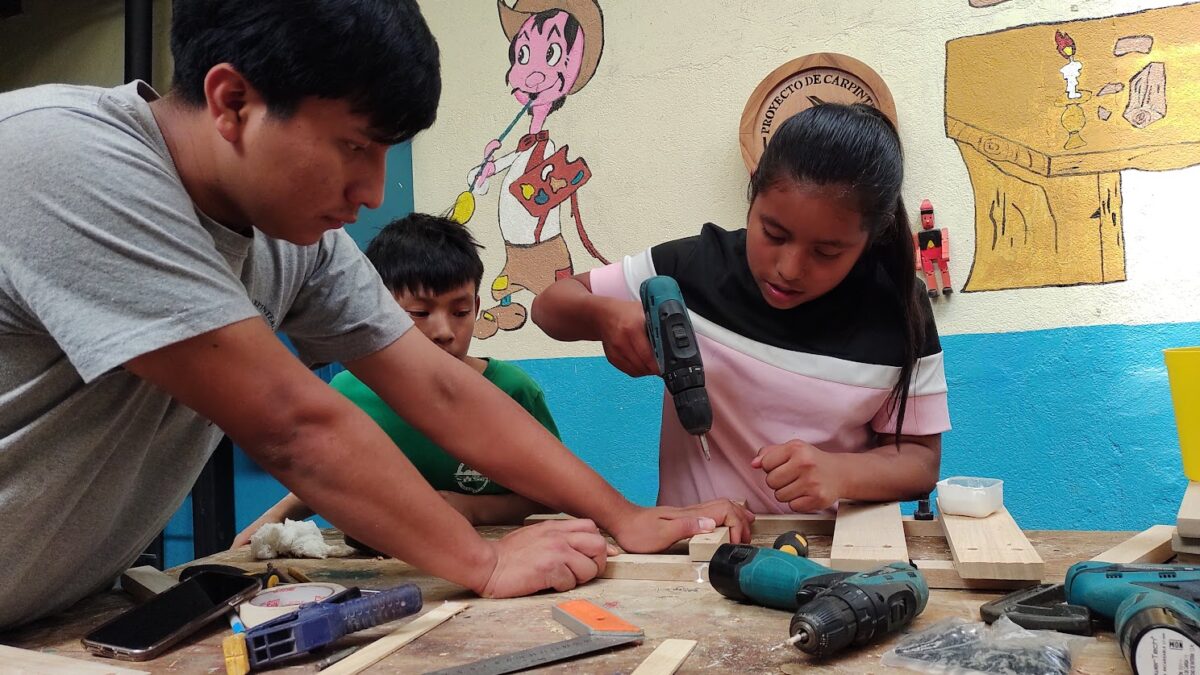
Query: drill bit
(704, 446)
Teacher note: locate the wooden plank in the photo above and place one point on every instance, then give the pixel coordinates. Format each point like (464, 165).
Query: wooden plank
(379, 649)
(702, 546)
(651, 567)
(636, 567)
(1152, 545)
(867, 536)
(666, 658)
(1185, 544)
(145, 582)
(773, 524)
(27, 661)
(1188, 520)
(991, 548)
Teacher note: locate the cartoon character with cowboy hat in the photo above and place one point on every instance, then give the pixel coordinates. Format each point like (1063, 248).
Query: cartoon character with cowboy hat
(554, 48)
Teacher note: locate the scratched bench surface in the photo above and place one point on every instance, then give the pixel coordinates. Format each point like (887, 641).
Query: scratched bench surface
(732, 637)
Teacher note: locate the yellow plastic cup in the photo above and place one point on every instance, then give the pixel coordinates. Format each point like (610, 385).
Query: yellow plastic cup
(1183, 371)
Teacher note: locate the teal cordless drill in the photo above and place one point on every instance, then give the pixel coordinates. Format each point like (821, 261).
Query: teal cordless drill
(1155, 610)
(833, 610)
(678, 355)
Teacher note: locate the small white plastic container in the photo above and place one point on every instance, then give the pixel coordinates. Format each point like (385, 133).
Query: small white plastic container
(967, 496)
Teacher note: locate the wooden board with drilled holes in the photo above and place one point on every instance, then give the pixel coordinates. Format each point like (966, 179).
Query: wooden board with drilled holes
(938, 573)
(993, 547)
(867, 536)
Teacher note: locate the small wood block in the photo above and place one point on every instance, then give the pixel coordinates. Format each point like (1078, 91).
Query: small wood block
(1187, 559)
(586, 618)
(1147, 96)
(406, 633)
(1185, 544)
(666, 658)
(1152, 545)
(702, 546)
(941, 574)
(145, 582)
(1130, 44)
(991, 548)
(1188, 520)
(867, 536)
(28, 661)
(655, 568)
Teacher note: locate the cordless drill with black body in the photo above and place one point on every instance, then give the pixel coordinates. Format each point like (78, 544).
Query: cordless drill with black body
(833, 609)
(678, 355)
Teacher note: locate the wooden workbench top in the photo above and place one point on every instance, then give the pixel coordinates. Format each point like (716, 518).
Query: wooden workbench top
(732, 637)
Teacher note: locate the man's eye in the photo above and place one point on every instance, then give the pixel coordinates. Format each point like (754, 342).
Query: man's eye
(827, 254)
(463, 313)
(355, 147)
(773, 237)
(417, 314)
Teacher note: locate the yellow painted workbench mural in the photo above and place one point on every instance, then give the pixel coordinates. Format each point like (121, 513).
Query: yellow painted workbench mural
(1046, 118)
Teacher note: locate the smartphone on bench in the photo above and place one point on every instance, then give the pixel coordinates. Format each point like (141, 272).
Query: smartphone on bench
(146, 631)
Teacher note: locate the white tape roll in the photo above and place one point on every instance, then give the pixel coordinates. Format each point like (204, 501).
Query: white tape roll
(270, 603)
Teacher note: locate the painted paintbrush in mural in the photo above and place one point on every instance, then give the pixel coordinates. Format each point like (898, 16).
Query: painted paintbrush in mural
(1048, 200)
(554, 48)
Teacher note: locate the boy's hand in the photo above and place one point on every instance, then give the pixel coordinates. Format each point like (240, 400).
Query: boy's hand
(802, 475)
(623, 333)
(557, 554)
(654, 529)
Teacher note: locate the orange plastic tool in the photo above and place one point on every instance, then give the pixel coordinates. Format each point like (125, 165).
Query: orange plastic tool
(585, 618)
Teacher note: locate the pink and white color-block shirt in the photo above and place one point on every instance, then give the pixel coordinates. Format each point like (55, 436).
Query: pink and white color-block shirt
(821, 372)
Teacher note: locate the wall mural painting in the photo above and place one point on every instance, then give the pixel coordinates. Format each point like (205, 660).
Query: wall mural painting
(554, 48)
(1047, 116)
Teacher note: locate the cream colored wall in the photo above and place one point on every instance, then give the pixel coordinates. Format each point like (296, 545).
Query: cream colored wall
(658, 126)
(76, 41)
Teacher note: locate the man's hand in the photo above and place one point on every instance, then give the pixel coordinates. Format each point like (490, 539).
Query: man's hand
(623, 334)
(654, 529)
(803, 476)
(558, 554)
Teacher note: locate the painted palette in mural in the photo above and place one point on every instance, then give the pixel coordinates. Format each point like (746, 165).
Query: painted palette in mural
(802, 83)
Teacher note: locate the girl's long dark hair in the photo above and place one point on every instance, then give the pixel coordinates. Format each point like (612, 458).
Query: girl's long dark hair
(857, 146)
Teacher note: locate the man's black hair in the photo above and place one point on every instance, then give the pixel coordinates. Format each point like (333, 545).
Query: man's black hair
(424, 253)
(376, 54)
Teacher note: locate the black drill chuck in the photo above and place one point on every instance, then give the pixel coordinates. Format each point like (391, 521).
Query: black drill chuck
(847, 614)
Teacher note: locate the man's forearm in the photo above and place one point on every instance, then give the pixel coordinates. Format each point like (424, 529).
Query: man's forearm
(478, 424)
(344, 467)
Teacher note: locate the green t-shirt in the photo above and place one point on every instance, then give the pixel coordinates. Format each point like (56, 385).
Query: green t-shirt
(439, 467)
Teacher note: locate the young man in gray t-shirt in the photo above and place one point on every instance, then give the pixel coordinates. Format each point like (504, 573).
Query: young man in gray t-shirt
(149, 249)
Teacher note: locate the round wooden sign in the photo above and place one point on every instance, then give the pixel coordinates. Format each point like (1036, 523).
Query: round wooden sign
(802, 83)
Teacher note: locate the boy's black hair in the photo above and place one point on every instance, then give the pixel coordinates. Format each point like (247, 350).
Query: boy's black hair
(424, 253)
(857, 146)
(571, 31)
(376, 54)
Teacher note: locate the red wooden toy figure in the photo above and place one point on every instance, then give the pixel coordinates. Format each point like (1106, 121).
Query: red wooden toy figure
(933, 250)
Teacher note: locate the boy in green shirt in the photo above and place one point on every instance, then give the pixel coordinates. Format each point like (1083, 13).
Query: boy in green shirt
(432, 267)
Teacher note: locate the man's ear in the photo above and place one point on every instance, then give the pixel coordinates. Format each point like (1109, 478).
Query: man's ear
(228, 93)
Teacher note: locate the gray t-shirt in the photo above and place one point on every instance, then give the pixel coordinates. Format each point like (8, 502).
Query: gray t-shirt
(104, 257)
